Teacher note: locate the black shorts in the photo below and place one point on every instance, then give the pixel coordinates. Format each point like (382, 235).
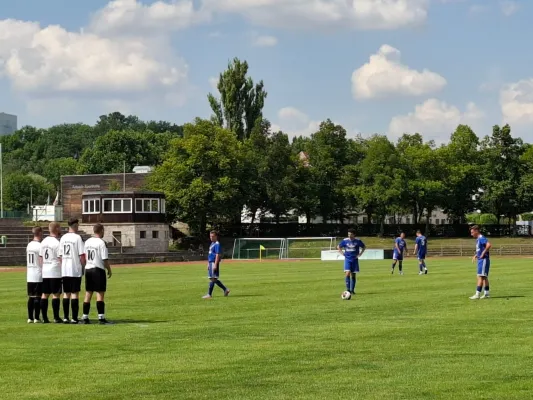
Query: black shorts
(35, 289)
(71, 284)
(52, 285)
(95, 280)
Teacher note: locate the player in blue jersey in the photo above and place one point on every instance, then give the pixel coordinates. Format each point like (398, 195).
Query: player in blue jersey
(351, 248)
(421, 246)
(482, 258)
(213, 266)
(400, 249)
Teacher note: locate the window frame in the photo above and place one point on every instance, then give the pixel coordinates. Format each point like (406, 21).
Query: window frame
(143, 200)
(122, 201)
(86, 206)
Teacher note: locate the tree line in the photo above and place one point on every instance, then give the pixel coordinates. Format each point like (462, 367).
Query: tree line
(210, 170)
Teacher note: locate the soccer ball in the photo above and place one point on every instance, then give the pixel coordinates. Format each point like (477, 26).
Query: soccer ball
(346, 295)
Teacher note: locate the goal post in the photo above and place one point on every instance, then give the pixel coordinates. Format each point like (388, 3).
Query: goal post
(259, 248)
(308, 247)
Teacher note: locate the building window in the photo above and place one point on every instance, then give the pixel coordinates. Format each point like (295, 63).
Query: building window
(91, 206)
(143, 234)
(117, 206)
(155, 234)
(148, 205)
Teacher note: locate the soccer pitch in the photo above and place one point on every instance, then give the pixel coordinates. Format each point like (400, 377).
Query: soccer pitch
(283, 333)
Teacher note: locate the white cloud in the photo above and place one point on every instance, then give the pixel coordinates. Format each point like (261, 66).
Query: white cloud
(295, 122)
(516, 101)
(509, 7)
(306, 14)
(264, 41)
(435, 119)
(385, 75)
(132, 17)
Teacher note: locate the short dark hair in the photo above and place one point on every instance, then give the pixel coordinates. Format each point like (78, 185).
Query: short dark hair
(351, 230)
(213, 232)
(37, 231)
(419, 231)
(474, 228)
(98, 229)
(73, 221)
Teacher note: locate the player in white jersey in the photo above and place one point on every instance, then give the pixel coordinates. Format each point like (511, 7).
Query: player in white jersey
(95, 276)
(34, 276)
(51, 263)
(72, 253)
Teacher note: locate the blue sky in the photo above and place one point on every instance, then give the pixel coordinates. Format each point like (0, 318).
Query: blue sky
(409, 65)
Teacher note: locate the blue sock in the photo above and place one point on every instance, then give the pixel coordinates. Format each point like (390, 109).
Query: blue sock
(347, 280)
(400, 266)
(221, 285)
(478, 289)
(352, 283)
(421, 265)
(393, 265)
(486, 288)
(211, 287)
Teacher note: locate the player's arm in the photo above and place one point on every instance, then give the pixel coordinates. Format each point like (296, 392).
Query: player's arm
(363, 249)
(416, 248)
(397, 247)
(107, 267)
(340, 247)
(487, 248)
(217, 257)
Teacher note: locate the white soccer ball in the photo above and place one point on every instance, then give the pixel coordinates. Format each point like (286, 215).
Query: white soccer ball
(346, 295)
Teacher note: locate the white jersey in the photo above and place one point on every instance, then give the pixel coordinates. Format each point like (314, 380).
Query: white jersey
(35, 269)
(50, 254)
(70, 249)
(96, 251)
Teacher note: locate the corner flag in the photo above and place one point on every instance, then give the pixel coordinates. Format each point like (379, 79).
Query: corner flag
(261, 248)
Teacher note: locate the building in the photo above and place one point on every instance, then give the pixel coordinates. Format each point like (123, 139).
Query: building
(73, 187)
(438, 217)
(134, 221)
(8, 123)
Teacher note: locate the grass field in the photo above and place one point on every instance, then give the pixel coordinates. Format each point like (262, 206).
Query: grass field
(284, 333)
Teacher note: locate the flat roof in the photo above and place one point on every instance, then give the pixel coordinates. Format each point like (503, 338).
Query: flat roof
(98, 193)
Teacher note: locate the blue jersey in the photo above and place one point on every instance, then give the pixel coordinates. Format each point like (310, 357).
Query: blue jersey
(214, 249)
(401, 244)
(481, 244)
(422, 244)
(352, 248)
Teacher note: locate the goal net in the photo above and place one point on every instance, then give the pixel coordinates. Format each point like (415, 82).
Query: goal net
(309, 247)
(256, 248)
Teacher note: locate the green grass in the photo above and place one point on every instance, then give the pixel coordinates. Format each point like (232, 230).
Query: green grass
(284, 333)
(388, 243)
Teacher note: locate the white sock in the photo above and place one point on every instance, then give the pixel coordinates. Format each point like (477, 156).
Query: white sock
(84, 316)
(101, 316)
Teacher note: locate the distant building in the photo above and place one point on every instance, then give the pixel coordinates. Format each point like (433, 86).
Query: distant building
(8, 123)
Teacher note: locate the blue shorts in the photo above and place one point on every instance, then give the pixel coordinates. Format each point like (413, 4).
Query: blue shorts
(421, 256)
(483, 267)
(397, 256)
(210, 272)
(352, 266)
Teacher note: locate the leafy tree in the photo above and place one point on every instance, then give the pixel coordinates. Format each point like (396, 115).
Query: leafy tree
(200, 175)
(56, 168)
(241, 102)
(462, 173)
(502, 173)
(19, 188)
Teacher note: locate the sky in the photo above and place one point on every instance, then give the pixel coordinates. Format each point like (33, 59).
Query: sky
(373, 66)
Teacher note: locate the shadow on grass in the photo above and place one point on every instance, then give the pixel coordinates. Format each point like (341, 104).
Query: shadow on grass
(136, 321)
(507, 297)
(245, 295)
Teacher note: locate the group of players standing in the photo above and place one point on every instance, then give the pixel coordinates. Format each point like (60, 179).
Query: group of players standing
(56, 266)
(353, 248)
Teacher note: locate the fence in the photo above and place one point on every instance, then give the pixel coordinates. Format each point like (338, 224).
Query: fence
(328, 230)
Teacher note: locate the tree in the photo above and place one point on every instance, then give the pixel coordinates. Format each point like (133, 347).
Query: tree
(241, 103)
(424, 169)
(20, 188)
(328, 152)
(462, 173)
(112, 150)
(56, 168)
(376, 184)
(200, 175)
(502, 173)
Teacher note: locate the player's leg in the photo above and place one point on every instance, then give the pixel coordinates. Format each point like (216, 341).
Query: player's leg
(485, 280)
(67, 291)
(212, 275)
(219, 283)
(354, 270)
(394, 262)
(347, 272)
(86, 305)
(44, 300)
(100, 307)
(38, 292)
(75, 299)
(30, 305)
